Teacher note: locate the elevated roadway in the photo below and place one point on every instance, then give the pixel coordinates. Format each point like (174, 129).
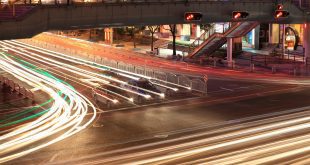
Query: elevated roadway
(76, 15)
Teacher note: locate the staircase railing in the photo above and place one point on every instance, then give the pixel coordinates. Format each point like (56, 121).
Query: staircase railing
(211, 35)
(205, 35)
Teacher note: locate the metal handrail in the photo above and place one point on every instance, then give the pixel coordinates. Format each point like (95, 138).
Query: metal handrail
(215, 34)
(202, 37)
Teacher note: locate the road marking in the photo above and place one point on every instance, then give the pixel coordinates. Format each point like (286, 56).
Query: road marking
(147, 105)
(97, 125)
(246, 87)
(274, 100)
(53, 157)
(227, 89)
(266, 93)
(161, 136)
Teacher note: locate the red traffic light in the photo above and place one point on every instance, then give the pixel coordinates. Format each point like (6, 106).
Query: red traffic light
(239, 14)
(192, 16)
(281, 14)
(280, 7)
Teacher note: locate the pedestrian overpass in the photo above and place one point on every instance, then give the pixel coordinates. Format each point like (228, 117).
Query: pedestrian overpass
(19, 22)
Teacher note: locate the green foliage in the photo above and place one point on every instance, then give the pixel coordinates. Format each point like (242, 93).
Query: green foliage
(206, 26)
(120, 31)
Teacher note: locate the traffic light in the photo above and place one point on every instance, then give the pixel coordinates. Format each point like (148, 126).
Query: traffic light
(280, 7)
(240, 14)
(281, 14)
(192, 16)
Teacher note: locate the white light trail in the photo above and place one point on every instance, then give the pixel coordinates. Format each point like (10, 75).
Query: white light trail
(82, 72)
(64, 118)
(91, 64)
(74, 70)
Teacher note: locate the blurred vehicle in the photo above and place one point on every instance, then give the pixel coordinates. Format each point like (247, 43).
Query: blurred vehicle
(145, 84)
(139, 86)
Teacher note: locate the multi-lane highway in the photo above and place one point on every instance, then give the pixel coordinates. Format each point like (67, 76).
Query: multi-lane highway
(238, 122)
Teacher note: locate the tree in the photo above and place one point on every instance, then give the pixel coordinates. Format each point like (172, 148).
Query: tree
(153, 29)
(119, 32)
(206, 27)
(173, 30)
(132, 30)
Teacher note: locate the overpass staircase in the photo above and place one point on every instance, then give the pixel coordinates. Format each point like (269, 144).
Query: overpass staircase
(210, 41)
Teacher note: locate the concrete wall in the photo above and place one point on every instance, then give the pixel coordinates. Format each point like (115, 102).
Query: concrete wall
(106, 15)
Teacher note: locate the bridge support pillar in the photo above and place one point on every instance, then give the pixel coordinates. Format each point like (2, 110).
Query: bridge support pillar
(108, 35)
(306, 38)
(229, 52)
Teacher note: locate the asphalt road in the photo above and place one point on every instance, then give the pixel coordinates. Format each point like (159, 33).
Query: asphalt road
(139, 126)
(127, 135)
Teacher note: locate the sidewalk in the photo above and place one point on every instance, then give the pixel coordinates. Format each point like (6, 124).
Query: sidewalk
(127, 56)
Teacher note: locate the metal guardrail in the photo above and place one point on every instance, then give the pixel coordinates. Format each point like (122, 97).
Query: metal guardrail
(15, 87)
(196, 83)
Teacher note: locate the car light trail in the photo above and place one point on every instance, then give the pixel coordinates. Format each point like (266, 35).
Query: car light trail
(91, 64)
(78, 71)
(64, 118)
(83, 72)
(226, 144)
(257, 131)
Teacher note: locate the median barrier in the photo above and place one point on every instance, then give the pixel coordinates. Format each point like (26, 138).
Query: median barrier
(113, 63)
(11, 85)
(29, 95)
(160, 75)
(140, 70)
(6, 81)
(130, 68)
(185, 81)
(172, 78)
(149, 72)
(1, 79)
(199, 85)
(121, 65)
(17, 88)
(22, 91)
(177, 78)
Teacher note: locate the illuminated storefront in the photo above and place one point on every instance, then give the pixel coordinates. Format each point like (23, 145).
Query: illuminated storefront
(292, 35)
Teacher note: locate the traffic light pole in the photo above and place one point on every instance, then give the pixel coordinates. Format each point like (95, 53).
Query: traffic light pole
(283, 40)
(229, 51)
(306, 40)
